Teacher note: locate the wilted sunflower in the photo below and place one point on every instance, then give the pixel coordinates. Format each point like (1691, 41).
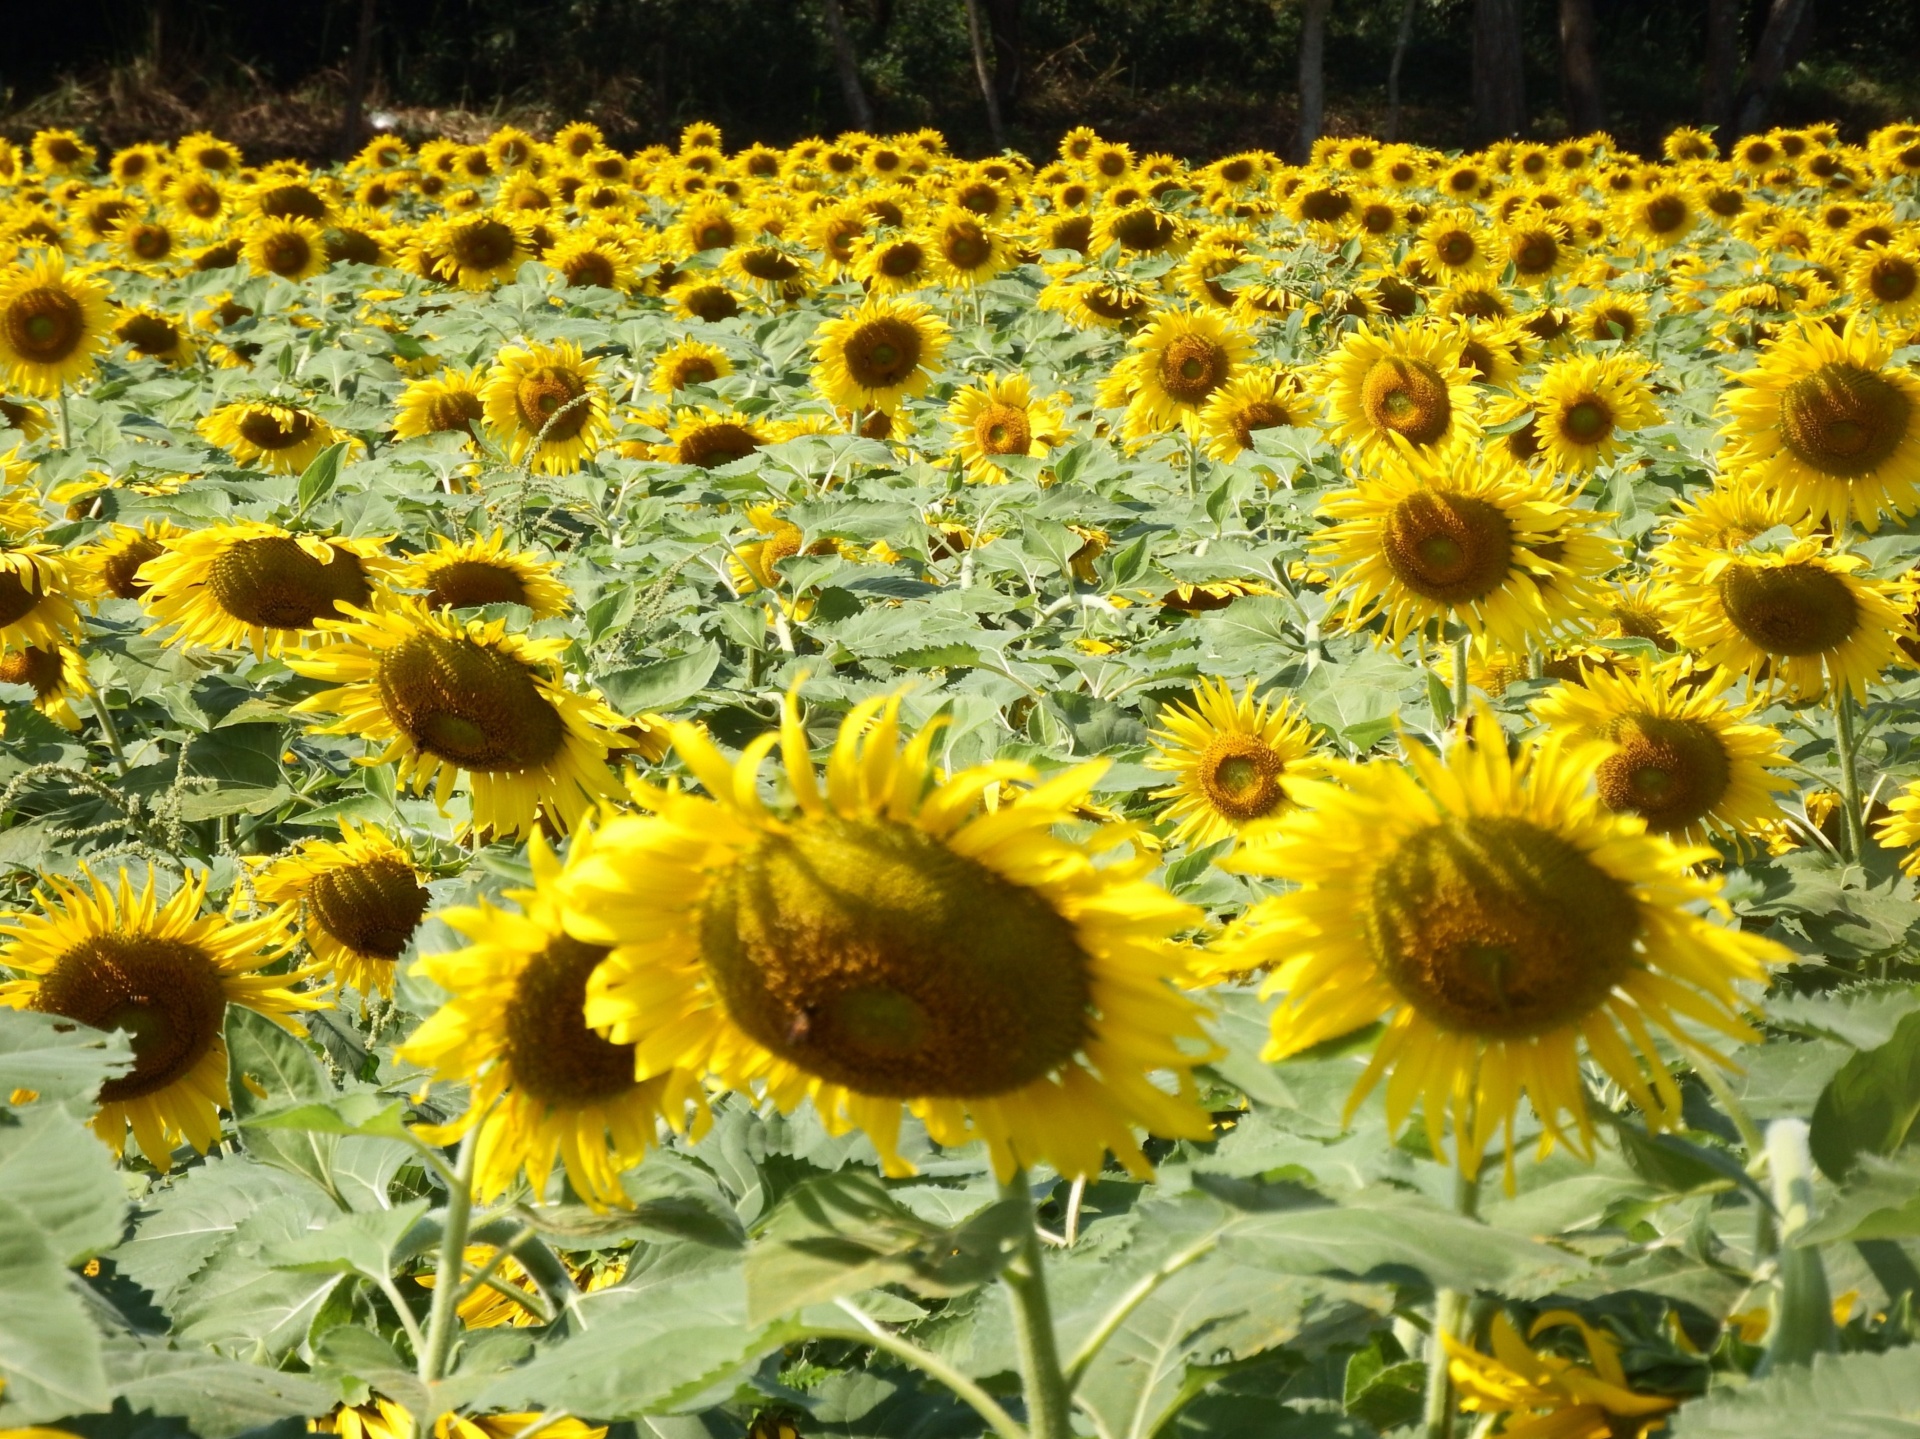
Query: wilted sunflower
(1232, 759)
(449, 697)
(57, 675)
(1260, 399)
(1495, 914)
(360, 898)
(1830, 423)
(872, 358)
(445, 402)
(37, 589)
(281, 439)
(256, 584)
(290, 247)
(886, 946)
(542, 1085)
(465, 573)
(688, 361)
(154, 336)
(52, 325)
(553, 391)
(108, 958)
(1400, 390)
(1584, 405)
(1800, 616)
(1678, 752)
(1482, 544)
(1172, 368)
(1000, 416)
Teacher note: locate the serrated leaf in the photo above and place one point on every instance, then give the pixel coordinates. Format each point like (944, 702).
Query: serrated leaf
(56, 1058)
(363, 1112)
(49, 1350)
(363, 1243)
(62, 1177)
(1871, 1104)
(218, 1397)
(1861, 1396)
(1880, 1200)
(184, 1224)
(240, 1299)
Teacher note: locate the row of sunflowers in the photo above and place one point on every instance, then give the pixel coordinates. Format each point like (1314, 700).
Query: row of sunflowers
(1252, 655)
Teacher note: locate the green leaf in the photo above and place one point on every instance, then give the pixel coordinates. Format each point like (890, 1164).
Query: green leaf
(319, 477)
(1870, 1106)
(263, 1058)
(1880, 1200)
(49, 1349)
(863, 1404)
(1384, 1394)
(1860, 1396)
(218, 1397)
(64, 1180)
(364, 1112)
(354, 1243)
(56, 1058)
(241, 1299)
(662, 686)
(193, 1217)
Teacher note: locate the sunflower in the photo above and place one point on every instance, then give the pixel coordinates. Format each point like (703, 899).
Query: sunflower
(1398, 391)
(885, 945)
(1495, 914)
(1172, 368)
(1886, 280)
(685, 362)
(594, 258)
(894, 264)
(479, 250)
(1138, 228)
(1615, 315)
(37, 590)
(1000, 416)
(1901, 827)
(1232, 759)
(61, 152)
(1104, 301)
(108, 958)
(1261, 399)
(542, 1085)
(462, 574)
(1830, 423)
(1679, 753)
(446, 402)
(57, 675)
(256, 584)
(31, 420)
(291, 247)
(1800, 616)
(1542, 1395)
(872, 358)
(965, 250)
(708, 438)
(1660, 216)
(548, 404)
(1584, 404)
(1481, 543)
(360, 898)
(282, 439)
(52, 325)
(448, 696)
(1724, 517)
(154, 336)
(145, 242)
(112, 565)
(1538, 249)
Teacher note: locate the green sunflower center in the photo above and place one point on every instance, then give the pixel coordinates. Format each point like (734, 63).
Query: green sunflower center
(469, 705)
(1587, 421)
(1239, 775)
(872, 955)
(1844, 421)
(1453, 549)
(882, 352)
(1789, 609)
(372, 907)
(1669, 771)
(546, 398)
(554, 1057)
(1407, 396)
(274, 583)
(1499, 927)
(1192, 367)
(44, 325)
(164, 993)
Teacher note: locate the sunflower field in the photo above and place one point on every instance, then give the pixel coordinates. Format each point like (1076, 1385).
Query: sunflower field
(841, 791)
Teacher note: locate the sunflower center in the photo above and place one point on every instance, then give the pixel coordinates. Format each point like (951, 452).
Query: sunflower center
(1003, 430)
(765, 263)
(41, 668)
(274, 583)
(372, 908)
(1496, 926)
(698, 370)
(869, 953)
(1407, 396)
(1240, 776)
(1665, 214)
(1892, 279)
(1451, 548)
(1844, 421)
(1670, 771)
(1535, 253)
(1191, 368)
(1324, 206)
(45, 324)
(120, 571)
(469, 705)
(1587, 421)
(163, 992)
(1789, 609)
(17, 601)
(1144, 229)
(717, 444)
(589, 270)
(266, 430)
(286, 252)
(1258, 415)
(1615, 324)
(454, 410)
(965, 246)
(543, 393)
(882, 352)
(1456, 247)
(1113, 304)
(900, 260)
(149, 334)
(462, 584)
(553, 1055)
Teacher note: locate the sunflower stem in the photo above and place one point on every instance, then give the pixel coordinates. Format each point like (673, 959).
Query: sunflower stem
(110, 730)
(1460, 684)
(1449, 1321)
(453, 1252)
(1048, 1398)
(66, 425)
(1844, 745)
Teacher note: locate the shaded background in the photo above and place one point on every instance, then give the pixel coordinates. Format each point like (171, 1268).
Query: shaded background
(1196, 77)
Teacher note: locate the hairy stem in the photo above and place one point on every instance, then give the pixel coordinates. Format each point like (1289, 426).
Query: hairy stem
(1845, 745)
(1048, 1398)
(1449, 1321)
(453, 1250)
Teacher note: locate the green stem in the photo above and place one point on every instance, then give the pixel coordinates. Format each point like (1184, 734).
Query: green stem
(453, 1253)
(66, 426)
(1844, 744)
(1803, 1311)
(1048, 1398)
(1461, 688)
(110, 730)
(1449, 1319)
(931, 1365)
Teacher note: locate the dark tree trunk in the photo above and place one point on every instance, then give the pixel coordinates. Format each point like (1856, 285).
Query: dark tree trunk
(1009, 52)
(1770, 60)
(847, 66)
(1586, 109)
(983, 71)
(1499, 73)
(359, 74)
(1401, 39)
(1313, 78)
(1724, 48)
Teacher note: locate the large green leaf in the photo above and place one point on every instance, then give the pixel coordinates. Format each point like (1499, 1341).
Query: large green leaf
(196, 1215)
(218, 1397)
(1858, 1396)
(56, 1058)
(1870, 1106)
(64, 1180)
(49, 1349)
(240, 1300)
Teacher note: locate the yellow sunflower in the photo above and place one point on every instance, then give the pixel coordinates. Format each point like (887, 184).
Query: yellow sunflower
(1830, 423)
(464, 573)
(1901, 827)
(480, 250)
(687, 361)
(1261, 399)
(886, 945)
(965, 250)
(256, 584)
(1232, 758)
(290, 246)
(1542, 1395)
(112, 565)
(108, 958)
(57, 675)
(359, 898)
(31, 420)
(1482, 544)
(1679, 753)
(872, 358)
(1725, 517)
(893, 264)
(281, 439)
(1661, 216)
(1616, 315)
(1000, 416)
(1454, 245)
(707, 437)
(449, 697)
(1583, 406)
(1495, 915)
(52, 325)
(447, 401)
(37, 589)
(1172, 368)
(542, 1085)
(1801, 616)
(61, 152)
(1400, 390)
(546, 402)
(154, 336)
